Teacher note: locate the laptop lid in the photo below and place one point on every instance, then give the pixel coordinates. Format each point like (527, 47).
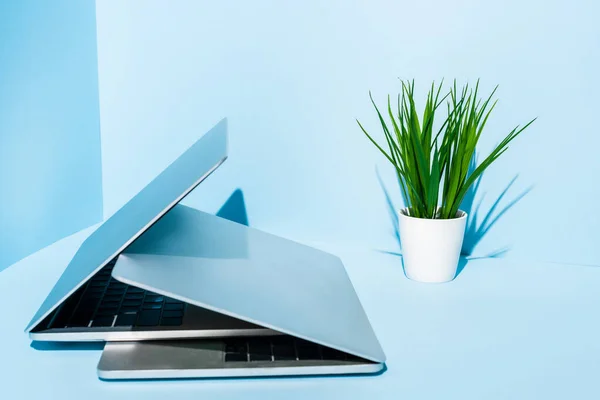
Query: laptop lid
(138, 214)
(251, 275)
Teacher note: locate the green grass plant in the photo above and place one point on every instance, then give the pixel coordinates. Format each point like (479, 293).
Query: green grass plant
(432, 163)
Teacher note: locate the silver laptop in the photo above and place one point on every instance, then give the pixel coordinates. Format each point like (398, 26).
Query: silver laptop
(88, 304)
(241, 302)
(301, 293)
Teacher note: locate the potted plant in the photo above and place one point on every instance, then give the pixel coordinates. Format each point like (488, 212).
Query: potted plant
(431, 159)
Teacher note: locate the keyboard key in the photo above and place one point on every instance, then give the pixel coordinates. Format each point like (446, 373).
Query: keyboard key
(260, 357)
(236, 357)
(118, 292)
(148, 318)
(87, 307)
(283, 352)
(236, 346)
(111, 311)
(169, 300)
(65, 312)
(102, 321)
(282, 339)
(93, 295)
(113, 297)
(171, 306)
(259, 345)
(153, 299)
(308, 352)
(133, 289)
(127, 319)
(172, 314)
(106, 304)
(134, 296)
(171, 321)
(350, 357)
(88, 304)
(132, 303)
(116, 288)
(109, 304)
(129, 308)
(81, 318)
(152, 306)
(331, 354)
(104, 313)
(61, 318)
(78, 322)
(259, 350)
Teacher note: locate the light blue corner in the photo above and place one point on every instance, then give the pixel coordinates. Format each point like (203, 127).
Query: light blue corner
(50, 165)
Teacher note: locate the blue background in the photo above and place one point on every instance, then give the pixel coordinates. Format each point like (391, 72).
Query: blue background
(291, 78)
(50, 166)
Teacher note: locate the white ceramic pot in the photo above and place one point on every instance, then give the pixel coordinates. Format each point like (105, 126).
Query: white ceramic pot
(431, 247)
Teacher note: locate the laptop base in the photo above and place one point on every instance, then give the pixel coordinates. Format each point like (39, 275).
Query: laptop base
(250, 357)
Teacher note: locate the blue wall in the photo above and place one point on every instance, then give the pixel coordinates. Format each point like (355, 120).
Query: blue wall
(292, 76)
(50, 165)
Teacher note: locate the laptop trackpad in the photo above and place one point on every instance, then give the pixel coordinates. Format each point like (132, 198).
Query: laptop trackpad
(124, 357)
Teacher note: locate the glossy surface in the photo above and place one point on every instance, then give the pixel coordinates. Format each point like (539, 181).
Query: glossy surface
(110, 238)
(253, 276)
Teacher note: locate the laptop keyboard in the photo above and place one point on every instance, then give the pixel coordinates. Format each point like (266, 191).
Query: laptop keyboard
(104, 302)
(279, 348)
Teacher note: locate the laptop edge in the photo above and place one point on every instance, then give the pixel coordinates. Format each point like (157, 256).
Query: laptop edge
(216, 138)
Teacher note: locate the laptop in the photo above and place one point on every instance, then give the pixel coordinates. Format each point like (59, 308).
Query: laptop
(87, 304)
(302, 294)
(178, 293)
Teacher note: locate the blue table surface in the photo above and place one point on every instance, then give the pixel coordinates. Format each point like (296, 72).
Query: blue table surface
(503, 329)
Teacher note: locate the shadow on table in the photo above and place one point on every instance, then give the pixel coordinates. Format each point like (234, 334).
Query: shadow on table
(79, 346)
(475, 230)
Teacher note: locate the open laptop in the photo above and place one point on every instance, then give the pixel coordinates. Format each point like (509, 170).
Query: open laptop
(241, 302)
(243, 357)
(87, 304)
(301, 293)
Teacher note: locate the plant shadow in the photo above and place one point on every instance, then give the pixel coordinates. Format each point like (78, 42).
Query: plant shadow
(475, 231)
(189, 232)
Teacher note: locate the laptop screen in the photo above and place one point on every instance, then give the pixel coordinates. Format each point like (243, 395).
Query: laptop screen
(137, 215)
